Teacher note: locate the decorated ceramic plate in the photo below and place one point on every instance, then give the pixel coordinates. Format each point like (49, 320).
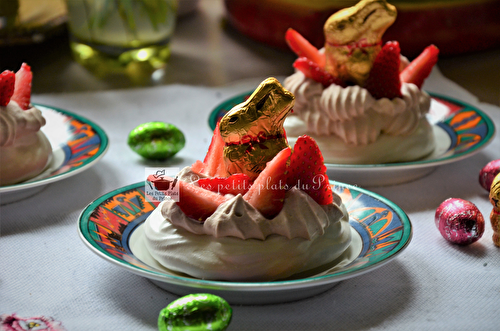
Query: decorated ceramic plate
(460, 131)
(111, 227)
(77, 144)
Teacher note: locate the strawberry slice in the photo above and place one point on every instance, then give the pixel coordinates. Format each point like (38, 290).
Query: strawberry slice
(308, 172)
(196, 202)
(198, 166)
(213, 164)
(303, 48)
(22, 89)
(420, 68)
(7, 83)
(383, 81)
(312, 70)
(234, 184)
(267, 193)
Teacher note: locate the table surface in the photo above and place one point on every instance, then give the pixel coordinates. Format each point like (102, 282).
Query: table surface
(46, 270)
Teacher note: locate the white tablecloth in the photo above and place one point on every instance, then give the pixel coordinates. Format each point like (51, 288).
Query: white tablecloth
(45, 269)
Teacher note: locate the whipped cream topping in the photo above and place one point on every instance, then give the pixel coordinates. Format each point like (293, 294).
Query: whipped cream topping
(16, 122)
(238, 243)
(352, 113)
(350, 125)
(237, 218)
(24, 149)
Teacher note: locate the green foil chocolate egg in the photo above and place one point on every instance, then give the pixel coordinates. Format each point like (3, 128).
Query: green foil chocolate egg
(196, 312)
(156, 140)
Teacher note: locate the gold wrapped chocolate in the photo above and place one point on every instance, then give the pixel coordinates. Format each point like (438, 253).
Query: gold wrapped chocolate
(495, 213)
(253, 130)
(354, 38)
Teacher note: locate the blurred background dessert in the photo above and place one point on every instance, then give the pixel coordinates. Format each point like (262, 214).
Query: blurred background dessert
(212, 46)
(455, 26)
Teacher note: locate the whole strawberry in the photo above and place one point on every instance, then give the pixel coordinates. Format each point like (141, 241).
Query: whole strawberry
(307, 171)
(383, 81)
(7, 83)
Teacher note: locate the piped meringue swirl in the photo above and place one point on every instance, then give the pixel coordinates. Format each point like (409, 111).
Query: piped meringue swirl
(16, 122)
(354, 117)
(24, 149)
(237, 243)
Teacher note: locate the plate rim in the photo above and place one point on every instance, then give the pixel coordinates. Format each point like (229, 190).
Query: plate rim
(103, 148)
(252, 286)
(397, 165)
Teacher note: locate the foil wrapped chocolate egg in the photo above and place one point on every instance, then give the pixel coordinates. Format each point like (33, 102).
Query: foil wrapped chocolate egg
(489, 171)
(156, 140)
(495, 213)
(459, 221)
(196, 312)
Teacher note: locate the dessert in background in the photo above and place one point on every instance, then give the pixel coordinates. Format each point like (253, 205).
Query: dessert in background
(359, 98)
(455, 26)
(253, 210)
(24, 150)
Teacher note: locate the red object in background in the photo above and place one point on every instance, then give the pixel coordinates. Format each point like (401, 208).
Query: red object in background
(454, 26)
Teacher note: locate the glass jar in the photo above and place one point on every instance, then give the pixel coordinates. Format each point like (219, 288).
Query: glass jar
(121, 36)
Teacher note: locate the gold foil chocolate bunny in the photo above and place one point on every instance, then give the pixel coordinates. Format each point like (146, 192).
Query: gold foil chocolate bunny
(253, 130)
(354, 38)
(495, 213)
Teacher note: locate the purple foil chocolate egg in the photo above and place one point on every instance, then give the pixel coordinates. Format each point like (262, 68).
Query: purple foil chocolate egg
(489, 172)
(459, 221)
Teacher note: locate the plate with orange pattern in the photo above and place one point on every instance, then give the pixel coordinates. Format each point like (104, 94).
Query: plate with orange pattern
(77, 144)
(460, 131)
(112, 227)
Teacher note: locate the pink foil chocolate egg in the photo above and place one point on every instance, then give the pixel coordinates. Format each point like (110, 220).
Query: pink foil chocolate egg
(489, 171)
(459, 221)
